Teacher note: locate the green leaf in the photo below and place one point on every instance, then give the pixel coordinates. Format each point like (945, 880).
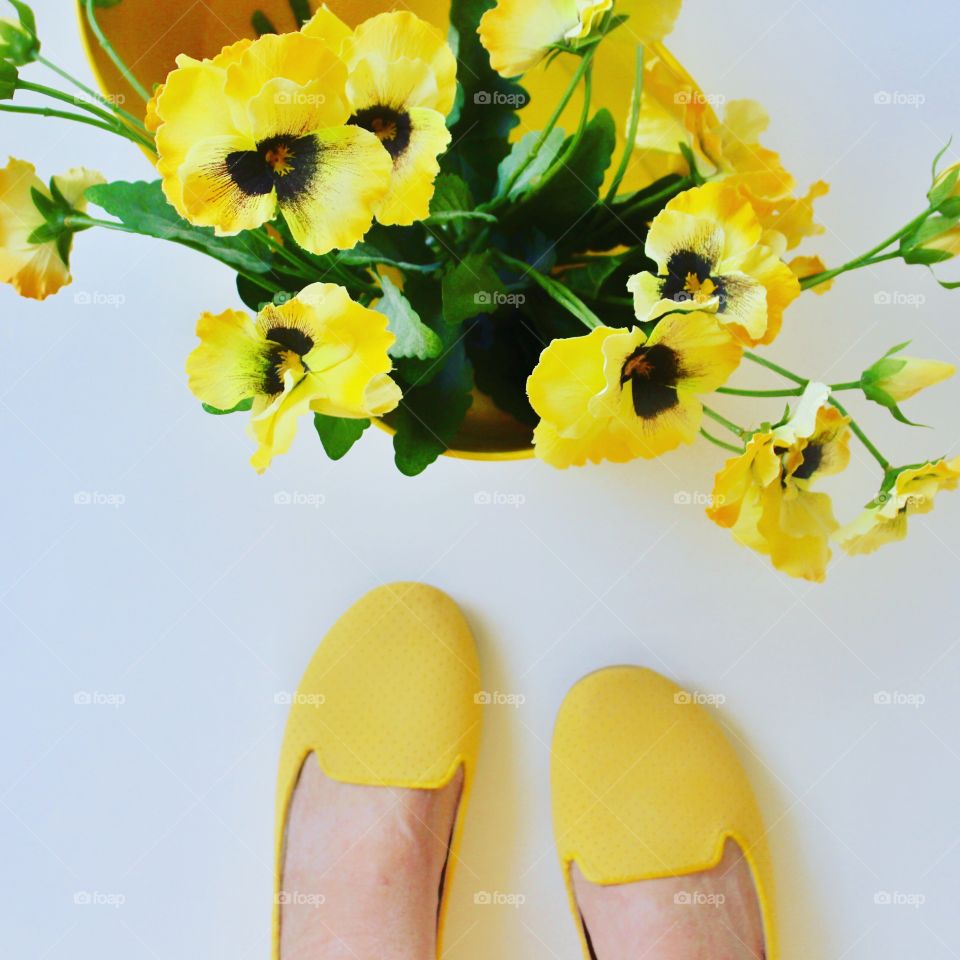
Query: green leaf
(107, 3)
(472, 288)
(241, 407)
(19, 43)
(301, 11)
(142, 207)
(519, 155)
(589, 279)
(338, 435)
(430, 415)
(262, 24)
(556, 290)
(414, 337)
(942, 191)
(573, 189)
(489, 103)
(8, 80)
(450, 193)
(880, 396)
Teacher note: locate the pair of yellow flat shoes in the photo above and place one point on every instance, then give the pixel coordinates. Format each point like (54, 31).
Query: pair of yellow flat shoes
(645, 784)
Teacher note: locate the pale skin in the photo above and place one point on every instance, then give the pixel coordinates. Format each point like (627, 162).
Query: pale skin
(363, 869)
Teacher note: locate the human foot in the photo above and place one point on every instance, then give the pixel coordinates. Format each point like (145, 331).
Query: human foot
(363, 868)
(713, 915)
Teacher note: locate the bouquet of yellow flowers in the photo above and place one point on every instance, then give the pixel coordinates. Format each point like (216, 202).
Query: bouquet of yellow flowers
(522, 213)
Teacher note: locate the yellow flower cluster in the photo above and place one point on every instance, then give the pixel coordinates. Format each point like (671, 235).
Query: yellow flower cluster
(330, 126)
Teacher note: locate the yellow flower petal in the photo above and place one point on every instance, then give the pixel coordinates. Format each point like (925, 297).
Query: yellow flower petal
(804, 267)
(295, 57)
(334, 208)
(210, 194)
(415, 170)
(709, 355)
(517, 33)
(227, 367)
(569, 374)
(193, 107)
(386, 43)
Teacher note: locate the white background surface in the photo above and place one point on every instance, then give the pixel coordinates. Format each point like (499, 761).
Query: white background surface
(199, 599)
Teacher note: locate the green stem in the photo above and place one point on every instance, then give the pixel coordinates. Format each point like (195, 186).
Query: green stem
(60, 114)
(776, 368)
(631, 143)
(854, 426)
(862, 437)
(724, 422)
(876, 255)
(83, 88)
(96, 111)
(582, 70)
(787, 392)
(716, 441)
(113, 55)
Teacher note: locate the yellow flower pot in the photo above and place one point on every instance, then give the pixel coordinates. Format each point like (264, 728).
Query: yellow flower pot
(149, 36)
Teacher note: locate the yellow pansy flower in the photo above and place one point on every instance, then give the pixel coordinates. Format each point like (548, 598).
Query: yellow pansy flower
(261, 127)
(764, 495)
(319, 351)
(36, 269)
(402, 83)
(617, 394)
(887, 519)
(709, 255)
(518, 34)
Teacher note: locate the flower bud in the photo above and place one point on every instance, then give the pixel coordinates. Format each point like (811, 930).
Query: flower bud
(893, 379)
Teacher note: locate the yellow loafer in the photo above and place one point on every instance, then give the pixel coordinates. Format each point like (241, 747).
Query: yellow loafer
(646, 786)
(390, 699)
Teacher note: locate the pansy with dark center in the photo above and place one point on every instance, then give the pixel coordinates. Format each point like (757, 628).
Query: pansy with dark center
(286, 164)
(690, 278)
(652, 372)
(392, 127)
(282, 341)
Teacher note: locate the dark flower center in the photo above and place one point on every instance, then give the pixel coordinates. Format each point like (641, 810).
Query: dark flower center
(812, 461)
(282, 340)
(392, 127)
(689, 277)
(652, 373)
(284, 163)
